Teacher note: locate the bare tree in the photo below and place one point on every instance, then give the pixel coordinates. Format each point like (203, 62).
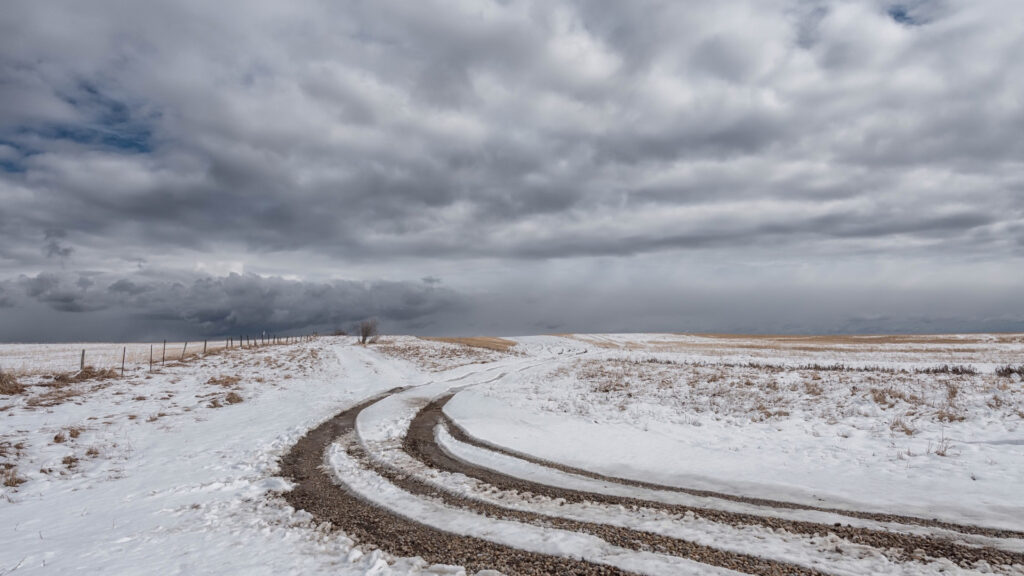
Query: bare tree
(368, 331)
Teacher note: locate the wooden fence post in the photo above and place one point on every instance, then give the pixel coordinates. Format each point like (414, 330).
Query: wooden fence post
(124, 352)
(204, 347)
(81, 365)
(163, 355)
(183, 348)
(150, 357)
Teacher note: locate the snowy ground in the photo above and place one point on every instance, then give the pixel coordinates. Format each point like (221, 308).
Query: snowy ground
(175, 471)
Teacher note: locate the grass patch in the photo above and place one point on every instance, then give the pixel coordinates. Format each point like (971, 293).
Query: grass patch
(233, 398)
(11, 479)
(9, 385)
(225, 381)
(489, 343)
(87, 373)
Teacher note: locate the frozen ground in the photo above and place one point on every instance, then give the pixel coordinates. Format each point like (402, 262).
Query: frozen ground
(888, 439)
(176, 471)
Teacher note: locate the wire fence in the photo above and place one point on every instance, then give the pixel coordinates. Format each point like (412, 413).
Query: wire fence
(29, 359)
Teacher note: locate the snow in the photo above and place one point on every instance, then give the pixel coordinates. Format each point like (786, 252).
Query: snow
(190, 492)
(833, 452)
(160, 473)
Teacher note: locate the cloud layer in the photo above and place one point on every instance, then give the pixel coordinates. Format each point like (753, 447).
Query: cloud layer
(508, 148)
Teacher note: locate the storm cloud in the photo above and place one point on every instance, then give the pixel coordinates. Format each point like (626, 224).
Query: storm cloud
(210, 167)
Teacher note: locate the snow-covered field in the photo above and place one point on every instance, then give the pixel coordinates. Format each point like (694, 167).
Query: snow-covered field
(176, 471)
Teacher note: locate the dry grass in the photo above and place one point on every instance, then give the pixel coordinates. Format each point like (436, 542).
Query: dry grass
(1008, 371)
(9, 385)
(898, 424)
(225, 381)
(233, 398)
(442, 354)
(70, 462)
(489, 343)
(87, 373)
(10, 478)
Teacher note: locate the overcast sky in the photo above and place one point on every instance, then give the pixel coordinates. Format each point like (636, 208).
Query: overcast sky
(198, 168)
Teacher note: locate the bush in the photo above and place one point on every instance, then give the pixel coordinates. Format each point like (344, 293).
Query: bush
(368, 331)
(1008, 371)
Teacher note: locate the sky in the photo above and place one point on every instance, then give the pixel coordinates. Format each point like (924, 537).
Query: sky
(194, 168)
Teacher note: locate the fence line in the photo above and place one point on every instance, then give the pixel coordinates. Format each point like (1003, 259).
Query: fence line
(54, 358)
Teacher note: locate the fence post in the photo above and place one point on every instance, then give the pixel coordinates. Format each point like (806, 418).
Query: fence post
(150, 357)
(124, 352)
(163, 355)
(204, 347)
(81, 365)
(183, 348)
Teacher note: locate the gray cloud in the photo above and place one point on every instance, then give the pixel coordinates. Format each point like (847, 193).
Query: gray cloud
(482, 141)
(192, 304)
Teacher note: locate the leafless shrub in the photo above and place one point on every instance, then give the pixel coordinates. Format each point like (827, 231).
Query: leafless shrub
(368, 331)
(948, 369)
(1008, 371)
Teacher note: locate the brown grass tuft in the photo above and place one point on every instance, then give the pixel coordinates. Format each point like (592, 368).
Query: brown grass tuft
(898, 424)
(225, 381)
(59, 438)
(11, 479)
(87, 373)
(233, 398)
(9, 385)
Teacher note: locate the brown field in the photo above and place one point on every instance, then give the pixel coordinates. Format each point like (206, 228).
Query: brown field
(490, 343)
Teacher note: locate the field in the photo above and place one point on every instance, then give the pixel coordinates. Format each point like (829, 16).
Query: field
(583, 454)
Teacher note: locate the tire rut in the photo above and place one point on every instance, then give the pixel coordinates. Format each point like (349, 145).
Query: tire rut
(462, 435)
(370, 525)
(421, 444)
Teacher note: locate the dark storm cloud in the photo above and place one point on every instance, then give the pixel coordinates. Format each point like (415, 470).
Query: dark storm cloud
(481, 140)
(233, 304)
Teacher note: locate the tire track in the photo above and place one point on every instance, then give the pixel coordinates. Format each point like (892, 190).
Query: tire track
(317, 493)
(462, 435)
(420, 443)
